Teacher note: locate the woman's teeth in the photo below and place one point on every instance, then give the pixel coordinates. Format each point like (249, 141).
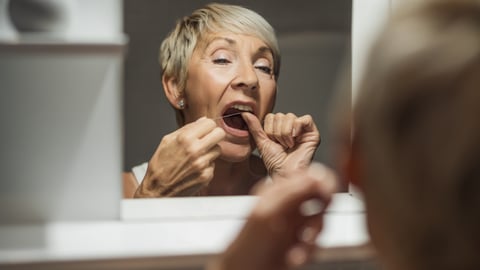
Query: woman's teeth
(244, 108)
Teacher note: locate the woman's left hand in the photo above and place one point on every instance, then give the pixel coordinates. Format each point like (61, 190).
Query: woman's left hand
(286, 142)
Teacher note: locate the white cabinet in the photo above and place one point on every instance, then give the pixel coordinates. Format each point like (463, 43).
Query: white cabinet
(60, 116)
(60, 113)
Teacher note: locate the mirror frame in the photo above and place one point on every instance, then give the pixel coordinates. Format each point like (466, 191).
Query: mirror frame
(364, 29)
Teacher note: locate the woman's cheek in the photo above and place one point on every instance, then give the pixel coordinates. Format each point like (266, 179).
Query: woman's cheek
(270, 100)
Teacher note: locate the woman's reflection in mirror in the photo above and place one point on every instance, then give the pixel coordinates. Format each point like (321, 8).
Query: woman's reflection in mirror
(220, 67)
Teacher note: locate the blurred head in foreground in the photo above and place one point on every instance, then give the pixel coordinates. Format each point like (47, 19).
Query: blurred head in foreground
(416, 145)
(415, 154)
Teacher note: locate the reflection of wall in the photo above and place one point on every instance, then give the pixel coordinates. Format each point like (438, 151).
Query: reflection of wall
(314, 37)
(311, 67)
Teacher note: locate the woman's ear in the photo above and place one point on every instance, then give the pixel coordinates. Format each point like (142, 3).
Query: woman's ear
(173, 94)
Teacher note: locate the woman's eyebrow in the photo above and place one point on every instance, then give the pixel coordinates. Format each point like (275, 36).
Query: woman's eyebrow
(263, 51)
(206, 45)
(233, 43)
(230, 41)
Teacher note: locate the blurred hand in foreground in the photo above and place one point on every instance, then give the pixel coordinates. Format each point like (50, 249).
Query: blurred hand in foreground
(282, 228)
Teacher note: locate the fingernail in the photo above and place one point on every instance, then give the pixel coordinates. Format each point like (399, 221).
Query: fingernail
(296, 256)
(311, 207)
(308, 235)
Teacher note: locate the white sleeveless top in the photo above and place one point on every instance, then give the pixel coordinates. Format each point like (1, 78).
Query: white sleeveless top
(139, 171)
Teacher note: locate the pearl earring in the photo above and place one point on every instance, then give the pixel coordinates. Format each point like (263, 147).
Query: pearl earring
(181, 104)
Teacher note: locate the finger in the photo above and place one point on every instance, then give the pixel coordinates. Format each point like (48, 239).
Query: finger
(288, 130)
(212, 138)
(213, 154)
(317, 182)
(193, 147)
(268, 124)
(311, 208)
(302, 246)
(199, 128)
(206, 175)
(304, 124)
(295, 193)
(296, 231)
(255, 128)
(298, 192)
(305, 228)
(277, 129)
(205, 161)
(260, 186)
(308, 234)
(328, 180)
(300, 253)
(304, 242)
(297, 256)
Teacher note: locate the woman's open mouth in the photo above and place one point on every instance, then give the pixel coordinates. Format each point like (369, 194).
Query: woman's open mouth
(234, 123)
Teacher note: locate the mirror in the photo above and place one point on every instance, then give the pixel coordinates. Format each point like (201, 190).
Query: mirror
(314, 38)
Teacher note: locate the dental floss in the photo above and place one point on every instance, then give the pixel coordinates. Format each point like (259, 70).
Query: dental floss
(228, 115)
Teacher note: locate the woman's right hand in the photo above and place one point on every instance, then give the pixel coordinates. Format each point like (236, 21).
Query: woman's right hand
(183, 163)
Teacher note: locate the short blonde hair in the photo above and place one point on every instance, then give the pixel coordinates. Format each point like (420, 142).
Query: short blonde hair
(178, 46)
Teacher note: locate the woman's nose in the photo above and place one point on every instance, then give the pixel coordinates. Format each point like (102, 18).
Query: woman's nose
(246, 78)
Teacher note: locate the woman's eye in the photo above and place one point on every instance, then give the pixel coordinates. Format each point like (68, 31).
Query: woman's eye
(264, 69)
(221, 61)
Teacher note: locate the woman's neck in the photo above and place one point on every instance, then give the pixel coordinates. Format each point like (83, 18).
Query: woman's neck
(232, 178)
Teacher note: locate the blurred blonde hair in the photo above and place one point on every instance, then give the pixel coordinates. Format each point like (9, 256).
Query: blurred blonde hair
(417, 129)
(178, 46)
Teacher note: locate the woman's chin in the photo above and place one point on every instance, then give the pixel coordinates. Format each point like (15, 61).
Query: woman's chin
(232, 152)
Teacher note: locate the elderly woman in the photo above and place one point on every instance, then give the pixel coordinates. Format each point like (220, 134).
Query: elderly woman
(220, 67)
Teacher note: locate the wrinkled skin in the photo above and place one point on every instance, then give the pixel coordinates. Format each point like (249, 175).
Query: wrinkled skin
(286, 142)
(192, 151)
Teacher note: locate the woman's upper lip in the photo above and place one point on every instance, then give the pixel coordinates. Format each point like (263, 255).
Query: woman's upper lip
(252, 105)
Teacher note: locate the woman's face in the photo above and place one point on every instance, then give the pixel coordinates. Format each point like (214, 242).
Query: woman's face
(230, 73)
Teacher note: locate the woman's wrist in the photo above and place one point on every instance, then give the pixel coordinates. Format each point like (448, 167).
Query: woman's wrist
(150, 187)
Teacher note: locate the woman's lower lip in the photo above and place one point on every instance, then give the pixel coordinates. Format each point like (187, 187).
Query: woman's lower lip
(233, 131)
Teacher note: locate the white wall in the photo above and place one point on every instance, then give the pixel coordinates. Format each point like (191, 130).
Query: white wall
(97, 20)
(6, 29)
(60, 113)
(85, 20)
